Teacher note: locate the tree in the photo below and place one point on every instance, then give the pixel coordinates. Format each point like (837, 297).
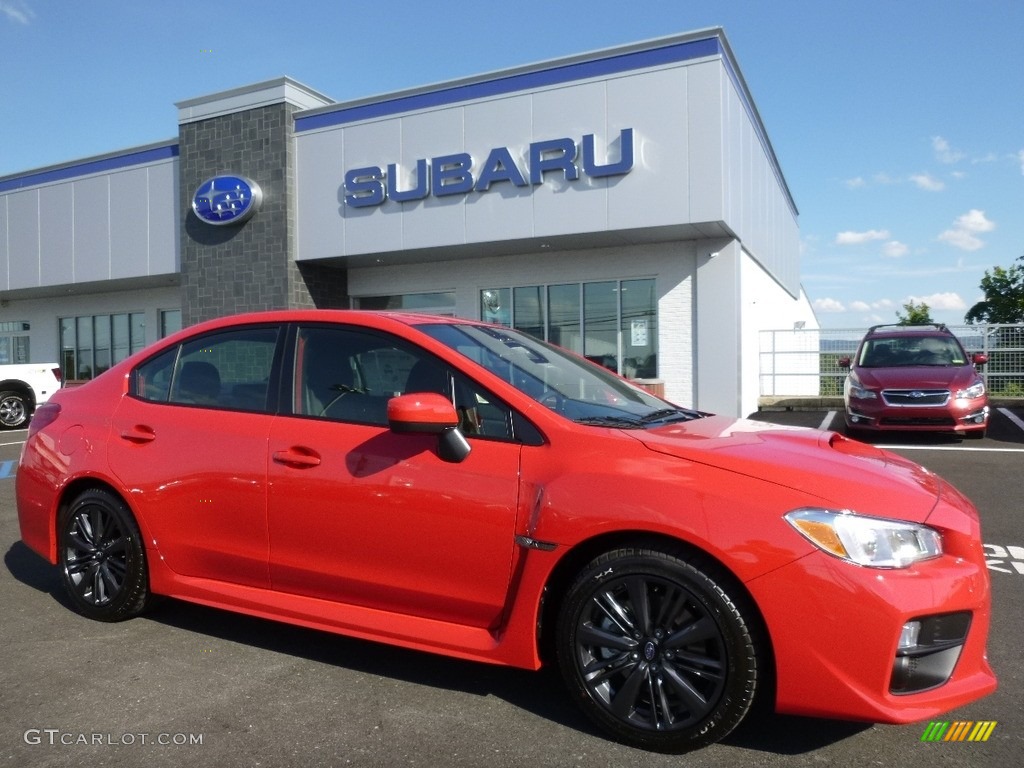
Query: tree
(917, 314)
(1004, 296)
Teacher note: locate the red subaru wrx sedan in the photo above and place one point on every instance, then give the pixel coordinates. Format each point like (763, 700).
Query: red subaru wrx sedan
(463, 488)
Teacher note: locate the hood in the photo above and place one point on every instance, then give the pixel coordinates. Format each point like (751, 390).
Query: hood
(843, 473)
(918, 377)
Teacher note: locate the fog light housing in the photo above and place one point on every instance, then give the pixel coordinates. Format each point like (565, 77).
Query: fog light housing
(927, 652)
(908, 636)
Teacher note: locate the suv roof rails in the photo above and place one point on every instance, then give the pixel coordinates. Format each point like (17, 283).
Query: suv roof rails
(903, 326)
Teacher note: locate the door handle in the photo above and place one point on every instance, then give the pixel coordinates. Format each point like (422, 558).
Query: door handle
(139, 434)
(297, 457)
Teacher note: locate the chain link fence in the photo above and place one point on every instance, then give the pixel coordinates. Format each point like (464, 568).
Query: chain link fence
(805, 363)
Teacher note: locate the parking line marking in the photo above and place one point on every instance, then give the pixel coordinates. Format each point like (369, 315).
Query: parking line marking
(1012, 417)
(5, 469)
(971, 449)
(827, 423)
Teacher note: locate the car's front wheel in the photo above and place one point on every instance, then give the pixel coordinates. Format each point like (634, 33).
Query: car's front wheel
(659, 650)
(102, 558)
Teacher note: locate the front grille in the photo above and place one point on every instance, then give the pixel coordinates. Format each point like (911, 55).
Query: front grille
(917, 421)
(916, 398)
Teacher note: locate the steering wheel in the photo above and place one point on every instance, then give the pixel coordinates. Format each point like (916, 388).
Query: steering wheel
(553, 399)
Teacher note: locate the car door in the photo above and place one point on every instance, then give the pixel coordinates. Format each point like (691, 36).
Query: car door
(190, 441)
(364, 516)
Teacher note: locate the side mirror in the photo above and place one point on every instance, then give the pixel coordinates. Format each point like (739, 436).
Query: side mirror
(431, 414)
(979, 358)
(844, 361)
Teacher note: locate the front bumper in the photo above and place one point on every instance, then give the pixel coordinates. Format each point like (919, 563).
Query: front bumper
(871, 416)
(838, 648)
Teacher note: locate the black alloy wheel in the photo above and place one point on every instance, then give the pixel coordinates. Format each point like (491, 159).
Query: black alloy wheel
(102, 558)
(657, 650)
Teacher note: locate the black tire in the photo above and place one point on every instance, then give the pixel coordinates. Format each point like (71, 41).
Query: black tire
(102, 558)
(14, 410)
(657, 649)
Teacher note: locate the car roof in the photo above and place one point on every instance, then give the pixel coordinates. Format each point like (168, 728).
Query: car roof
(359, 316)
(891, 331)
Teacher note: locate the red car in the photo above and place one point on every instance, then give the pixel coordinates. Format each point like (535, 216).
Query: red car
(463, 488)
(914, 378)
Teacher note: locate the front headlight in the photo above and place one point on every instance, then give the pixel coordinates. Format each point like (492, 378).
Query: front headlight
(857, 392)
(975, 390)
(870, 541)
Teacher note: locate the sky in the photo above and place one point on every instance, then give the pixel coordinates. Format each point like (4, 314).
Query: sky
(898, 125)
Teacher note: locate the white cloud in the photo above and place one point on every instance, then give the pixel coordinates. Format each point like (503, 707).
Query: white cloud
(1020, 156)
(927, 182)
(860, 306)
(17, 10)
(944, 153)
(828, 305)
(858, 182)
(939, 301)
(965, 228)
(856, 238)
(894, 249)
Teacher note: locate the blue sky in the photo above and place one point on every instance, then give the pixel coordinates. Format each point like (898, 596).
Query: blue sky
(899, 125)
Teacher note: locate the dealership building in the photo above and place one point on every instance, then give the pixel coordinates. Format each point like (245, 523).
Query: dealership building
(624, 203)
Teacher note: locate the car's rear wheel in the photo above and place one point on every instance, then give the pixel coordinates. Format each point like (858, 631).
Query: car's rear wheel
(13, 410)
(102, 559)
(659, 649)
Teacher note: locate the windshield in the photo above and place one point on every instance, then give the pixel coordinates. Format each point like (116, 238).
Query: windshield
(914, 350)
(557, 379)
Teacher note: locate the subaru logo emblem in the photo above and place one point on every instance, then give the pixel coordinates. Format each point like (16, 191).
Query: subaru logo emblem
(917, 394)
(226, 200)
(650, 650)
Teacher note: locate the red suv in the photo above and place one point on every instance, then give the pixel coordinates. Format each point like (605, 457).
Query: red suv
(914, 378)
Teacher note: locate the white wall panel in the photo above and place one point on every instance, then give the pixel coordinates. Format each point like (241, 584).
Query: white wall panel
(707, 144)
(367, 230)
(130, 215)
(505, 211)
(656, 192)
(4, 249)
(23, 218)
(319, 168)
(92, 229)
(437, 220)
(164, 233)
(56, 237)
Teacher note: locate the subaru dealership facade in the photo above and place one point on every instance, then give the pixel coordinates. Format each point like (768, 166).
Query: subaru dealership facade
(625, 203)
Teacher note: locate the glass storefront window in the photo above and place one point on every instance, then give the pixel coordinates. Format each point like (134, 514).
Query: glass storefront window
(565, 318)
(90, 344)
(14, 342)
(527, 310)
(613, 322)
(170, 322)
(496, 306)
(439, 303)
(638, 304)
(601, 324)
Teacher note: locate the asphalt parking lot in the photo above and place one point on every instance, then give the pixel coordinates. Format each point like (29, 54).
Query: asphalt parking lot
(187, 685)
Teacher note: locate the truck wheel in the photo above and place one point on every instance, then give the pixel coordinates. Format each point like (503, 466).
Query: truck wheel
(13, 410)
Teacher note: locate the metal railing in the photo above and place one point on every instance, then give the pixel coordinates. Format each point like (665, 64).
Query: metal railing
(805, 362)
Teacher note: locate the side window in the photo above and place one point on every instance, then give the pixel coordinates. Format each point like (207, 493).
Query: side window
(348, 375)
(224, 370)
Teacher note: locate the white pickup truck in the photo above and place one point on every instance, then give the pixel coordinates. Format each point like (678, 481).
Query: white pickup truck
(24, 387)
